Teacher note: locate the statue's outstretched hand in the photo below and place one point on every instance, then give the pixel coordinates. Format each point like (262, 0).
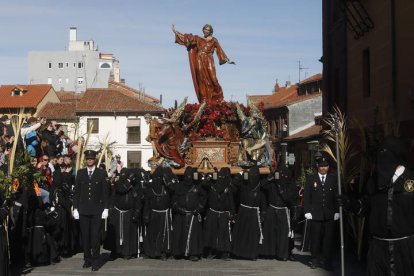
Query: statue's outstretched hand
(173, 28)
(231, 62)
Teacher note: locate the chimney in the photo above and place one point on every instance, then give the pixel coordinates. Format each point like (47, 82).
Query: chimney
(72, 34)
(288, 84)
(276, 87)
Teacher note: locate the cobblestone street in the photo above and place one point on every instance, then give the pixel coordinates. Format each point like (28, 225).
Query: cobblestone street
(73, 266)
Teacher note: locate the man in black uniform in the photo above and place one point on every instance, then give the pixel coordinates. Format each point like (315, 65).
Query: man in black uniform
(321, 208)
(90, 204)
(389, 203)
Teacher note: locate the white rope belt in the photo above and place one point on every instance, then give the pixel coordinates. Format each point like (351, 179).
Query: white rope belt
(390, 240)
(121, 225)
(290, 231)
(166, 224)
(222, 212)
(187, 246)
(258, 220)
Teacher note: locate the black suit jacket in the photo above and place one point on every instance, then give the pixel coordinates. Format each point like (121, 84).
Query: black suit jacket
(320, 200)
(91, 196)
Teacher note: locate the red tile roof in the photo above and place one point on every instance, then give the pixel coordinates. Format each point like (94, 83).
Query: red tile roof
(33, 94)
(113, 100)
(280, 97)
(256, 99)
(69, 96)
(133, 92)
(313, 78)
(306, 133)
(287, 96)
(58, 111)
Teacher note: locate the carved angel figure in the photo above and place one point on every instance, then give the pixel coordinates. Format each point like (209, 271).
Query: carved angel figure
(255, 146)
(169, 139)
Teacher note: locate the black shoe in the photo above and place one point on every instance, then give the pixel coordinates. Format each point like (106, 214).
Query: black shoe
(163, 257)
(95, 268)
(314, 264)
(86, 265)
(225, 257)
(193, 258)
(328, 267)
(211, 256)
(127, 257)
(292, 258)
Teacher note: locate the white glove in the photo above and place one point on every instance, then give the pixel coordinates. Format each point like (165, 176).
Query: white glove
(336, 216)
(105, 214)
(75, 214)
(308, 216)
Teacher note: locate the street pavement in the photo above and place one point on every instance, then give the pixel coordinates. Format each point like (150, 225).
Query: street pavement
(204, 267)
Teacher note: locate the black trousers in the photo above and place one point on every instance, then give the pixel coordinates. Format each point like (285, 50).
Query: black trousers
(322, 238)
(90, 226)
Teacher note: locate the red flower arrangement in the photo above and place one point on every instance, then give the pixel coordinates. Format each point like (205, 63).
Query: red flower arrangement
(213, 120)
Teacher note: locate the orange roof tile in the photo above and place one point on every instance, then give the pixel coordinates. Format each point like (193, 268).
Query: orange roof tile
(132, 91)
(306, 133)
(113, 100)
(312, 78)
(68, 96)
(58, 111)
(256, 99)
(280, 97)
(33, 94)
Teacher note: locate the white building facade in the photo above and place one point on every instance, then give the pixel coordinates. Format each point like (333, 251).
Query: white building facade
(128, 133)
(79, 67)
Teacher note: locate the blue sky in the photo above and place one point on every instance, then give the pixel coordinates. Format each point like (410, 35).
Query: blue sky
(265, 38)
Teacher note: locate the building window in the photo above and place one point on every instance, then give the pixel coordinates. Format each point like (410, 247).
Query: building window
(95, 122)
(60, 65)
(74, 65)
(80, 80)
(49, 80)
(67, 64)
(133, 159)
(67, 81)
(134, 131)
(105, 65)
(50, 65)
(366, 73)
(80, 64)
(16, 92)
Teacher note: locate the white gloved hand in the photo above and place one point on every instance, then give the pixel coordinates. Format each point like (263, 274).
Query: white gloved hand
(75, 214)
(308, 216)
(105, 214)
(336, 216)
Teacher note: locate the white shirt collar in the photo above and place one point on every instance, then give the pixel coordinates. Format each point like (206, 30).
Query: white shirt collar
(91, 169)
(322, 175)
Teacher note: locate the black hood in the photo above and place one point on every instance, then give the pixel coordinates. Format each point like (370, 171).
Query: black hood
(223, 178)
(392, 153)
(254, 175)
(188, 175)
(157, 176)
(124, 174)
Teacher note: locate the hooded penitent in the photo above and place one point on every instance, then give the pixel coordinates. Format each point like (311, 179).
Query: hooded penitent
(391, 154)
(188, 175)
(224, 178)
(254, 175)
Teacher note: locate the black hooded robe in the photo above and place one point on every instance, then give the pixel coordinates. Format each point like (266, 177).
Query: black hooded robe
(189, 200)
(122, 233)
(158, 215)
(247, 231)
(220, 211)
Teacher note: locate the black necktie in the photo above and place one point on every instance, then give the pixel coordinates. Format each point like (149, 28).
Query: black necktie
(323, 179)
(90, 174)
